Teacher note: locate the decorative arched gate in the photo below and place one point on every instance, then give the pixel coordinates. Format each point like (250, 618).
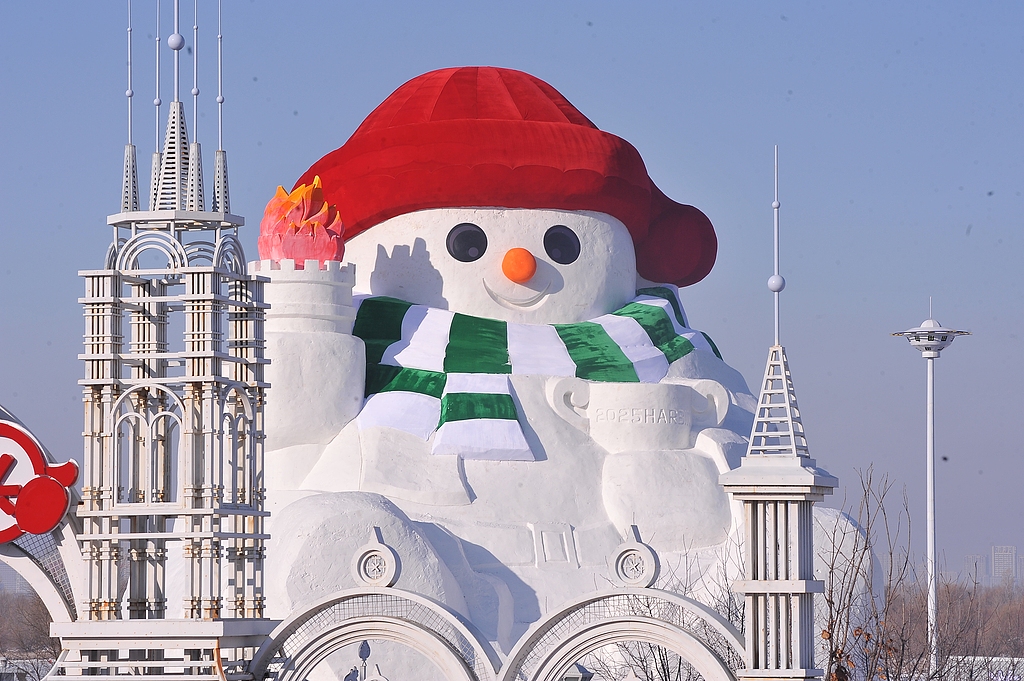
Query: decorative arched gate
(696, 633)
(690, 629)
(304, 640)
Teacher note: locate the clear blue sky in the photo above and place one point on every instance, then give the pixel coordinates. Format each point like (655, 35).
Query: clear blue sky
(900, 128)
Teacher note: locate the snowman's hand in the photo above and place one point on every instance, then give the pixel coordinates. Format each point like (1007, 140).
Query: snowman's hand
(406, 270)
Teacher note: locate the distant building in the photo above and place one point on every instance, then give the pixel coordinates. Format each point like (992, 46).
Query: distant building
(1004, 564)
(975, 569)
(9, 671)
(11, 582)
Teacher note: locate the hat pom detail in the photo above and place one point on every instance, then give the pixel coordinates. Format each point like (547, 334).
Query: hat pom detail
(680, 247)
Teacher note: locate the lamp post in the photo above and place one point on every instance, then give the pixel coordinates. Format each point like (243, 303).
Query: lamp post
(931, 338)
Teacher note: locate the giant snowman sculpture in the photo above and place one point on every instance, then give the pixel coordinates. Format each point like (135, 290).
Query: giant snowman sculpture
(500, 384)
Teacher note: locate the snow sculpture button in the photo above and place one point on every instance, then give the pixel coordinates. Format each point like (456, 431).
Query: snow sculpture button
(635, 564)
(376, 563)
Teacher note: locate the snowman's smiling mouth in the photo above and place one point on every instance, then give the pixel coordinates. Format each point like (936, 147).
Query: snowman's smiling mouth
(513, 303)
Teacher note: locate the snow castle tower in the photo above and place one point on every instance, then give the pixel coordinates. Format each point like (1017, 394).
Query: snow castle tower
(308, 327)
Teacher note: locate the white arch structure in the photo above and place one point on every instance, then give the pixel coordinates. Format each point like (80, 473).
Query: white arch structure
(698, 634)
(128, 255)
(306, 638)
(38, 580)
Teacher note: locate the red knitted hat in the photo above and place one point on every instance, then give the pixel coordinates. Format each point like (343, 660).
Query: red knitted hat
(486, 136)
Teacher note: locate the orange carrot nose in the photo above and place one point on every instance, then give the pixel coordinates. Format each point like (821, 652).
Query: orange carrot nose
(519, 265)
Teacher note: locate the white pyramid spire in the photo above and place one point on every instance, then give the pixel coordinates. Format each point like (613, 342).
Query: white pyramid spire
(154, 179)
(173, 185)
(194, 199)
(221, 198)
(129, 181)
(778, 429)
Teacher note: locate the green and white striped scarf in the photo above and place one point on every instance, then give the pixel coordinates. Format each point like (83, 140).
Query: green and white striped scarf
(432, 372)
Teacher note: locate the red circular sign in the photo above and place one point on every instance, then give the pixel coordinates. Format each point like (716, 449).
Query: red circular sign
(33, 495)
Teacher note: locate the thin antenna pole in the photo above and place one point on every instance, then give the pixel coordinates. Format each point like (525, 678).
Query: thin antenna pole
(128, 93)
(220, 80)
(156, 99)
(177, 52)
(933, 599)
(775, 210)
(195, 73)
(929, 307)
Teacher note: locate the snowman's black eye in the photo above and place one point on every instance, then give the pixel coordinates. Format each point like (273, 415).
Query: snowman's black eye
(467, 242)
(562, 244)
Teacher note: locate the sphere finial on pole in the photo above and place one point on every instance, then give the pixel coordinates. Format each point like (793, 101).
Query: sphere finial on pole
(176, 41)
(775, 282)
(195, 71)
(156, 97)
(128, 93)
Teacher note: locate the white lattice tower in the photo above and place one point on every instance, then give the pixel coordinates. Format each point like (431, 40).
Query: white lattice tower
(174, 424)
(173, 500)
(174, 397)
(778, 428)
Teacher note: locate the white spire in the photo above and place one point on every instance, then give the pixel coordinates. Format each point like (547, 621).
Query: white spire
(154, 168)
(128, 93)
(221, 197)
(195, 72)
(777, 429)
(130, 175)
(194, 199)
(176, 173)
(176, 41)
(220, 80)
(174, 166)
(778, 483)
(156, 96)
(130, 181)
(775, 282)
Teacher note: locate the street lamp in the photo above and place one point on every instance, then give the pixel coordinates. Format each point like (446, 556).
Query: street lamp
(931, 338)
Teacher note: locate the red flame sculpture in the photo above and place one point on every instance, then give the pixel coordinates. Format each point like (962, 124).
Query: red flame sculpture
(301, 226)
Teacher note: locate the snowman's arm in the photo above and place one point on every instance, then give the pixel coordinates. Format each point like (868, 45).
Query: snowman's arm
(317, 367)
(317, 382)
